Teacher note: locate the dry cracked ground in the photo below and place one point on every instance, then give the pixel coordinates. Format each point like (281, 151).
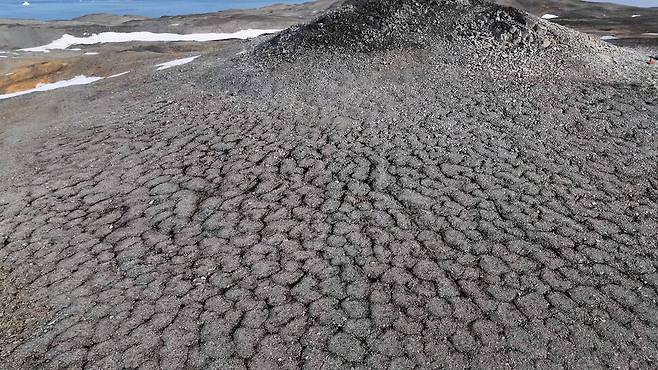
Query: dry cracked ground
(309, 205)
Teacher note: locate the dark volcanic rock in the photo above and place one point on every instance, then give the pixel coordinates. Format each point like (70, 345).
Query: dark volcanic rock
(378, 25)
(429, 188)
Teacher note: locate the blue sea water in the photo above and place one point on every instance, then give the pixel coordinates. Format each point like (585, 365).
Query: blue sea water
(67, 9)
(640, 3)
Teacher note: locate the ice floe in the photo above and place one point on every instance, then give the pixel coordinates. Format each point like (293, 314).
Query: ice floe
(67, 40)
(77, 80)
(174, 63)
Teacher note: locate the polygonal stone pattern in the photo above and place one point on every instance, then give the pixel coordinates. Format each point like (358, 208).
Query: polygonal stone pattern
(232, 234)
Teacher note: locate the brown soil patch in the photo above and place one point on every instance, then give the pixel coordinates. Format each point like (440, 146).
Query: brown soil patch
(29, 76)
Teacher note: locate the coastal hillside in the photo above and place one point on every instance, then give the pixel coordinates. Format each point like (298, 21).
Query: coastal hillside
(35, 53)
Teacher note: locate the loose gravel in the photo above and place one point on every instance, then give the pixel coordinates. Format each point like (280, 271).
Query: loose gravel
(395, 192)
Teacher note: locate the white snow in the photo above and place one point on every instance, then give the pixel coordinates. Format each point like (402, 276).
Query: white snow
(77, 80)
(174, 63)
(91, 53)
(635, 15)
(25, 3)
(608, 37)
(549, 16)
(175, 24)
(118, 74)
(114, 37)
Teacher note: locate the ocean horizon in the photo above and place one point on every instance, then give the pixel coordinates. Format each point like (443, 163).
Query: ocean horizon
(69, 9)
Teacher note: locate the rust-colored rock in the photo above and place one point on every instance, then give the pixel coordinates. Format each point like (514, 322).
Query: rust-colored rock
(29, 76)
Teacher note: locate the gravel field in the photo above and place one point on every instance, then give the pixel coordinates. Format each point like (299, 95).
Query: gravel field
(397, 184)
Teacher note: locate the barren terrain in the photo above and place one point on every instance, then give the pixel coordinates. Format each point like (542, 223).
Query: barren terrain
(395, 184)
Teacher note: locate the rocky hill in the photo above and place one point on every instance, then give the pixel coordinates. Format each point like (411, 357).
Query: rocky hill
(397, 184)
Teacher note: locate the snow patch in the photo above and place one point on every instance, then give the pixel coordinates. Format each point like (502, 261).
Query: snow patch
(174, 63)
(77, 80)
(25, 3)
(118, 74)
(91, 53)
(115, 37)
(549, 16)
(608, 37)
(635, 15)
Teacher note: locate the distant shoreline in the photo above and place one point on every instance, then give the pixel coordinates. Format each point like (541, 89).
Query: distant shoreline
(152, 9)
(71, 10)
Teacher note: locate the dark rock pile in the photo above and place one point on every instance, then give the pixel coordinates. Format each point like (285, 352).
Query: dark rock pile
(508, 27)
(381, 25)
(409, 185)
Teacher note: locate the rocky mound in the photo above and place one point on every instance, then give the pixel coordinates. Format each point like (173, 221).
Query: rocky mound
(477, 37)
(367, 204)
(376, 25)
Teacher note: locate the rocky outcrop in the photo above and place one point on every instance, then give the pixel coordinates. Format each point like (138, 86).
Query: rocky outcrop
(377, 25)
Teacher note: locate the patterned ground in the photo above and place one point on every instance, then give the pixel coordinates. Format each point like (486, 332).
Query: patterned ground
(395, 210)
